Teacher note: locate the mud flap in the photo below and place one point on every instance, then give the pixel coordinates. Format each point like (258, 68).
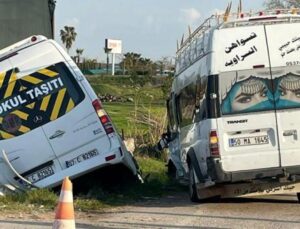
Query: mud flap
(194, 161)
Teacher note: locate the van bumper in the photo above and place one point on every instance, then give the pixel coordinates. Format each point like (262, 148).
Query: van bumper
(218, 175)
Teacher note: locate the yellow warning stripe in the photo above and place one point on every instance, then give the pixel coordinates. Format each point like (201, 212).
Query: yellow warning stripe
(24, 129)
(12, 77)
(10, 89)
(2, 76)
(58, 103)
(32, 79)
(21, 114)
(6, 135)
(48, 72)
(31, 105)
(70, 105)
(45, 102)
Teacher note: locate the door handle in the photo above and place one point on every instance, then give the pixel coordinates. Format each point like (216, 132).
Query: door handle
(57, 134)
(287, 133)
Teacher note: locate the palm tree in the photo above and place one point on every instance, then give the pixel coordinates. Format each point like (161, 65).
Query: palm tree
(68, 36)
(79, 53)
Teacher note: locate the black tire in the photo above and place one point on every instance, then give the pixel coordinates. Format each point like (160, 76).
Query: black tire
(171, 170)
(192, 186)
(298, 197)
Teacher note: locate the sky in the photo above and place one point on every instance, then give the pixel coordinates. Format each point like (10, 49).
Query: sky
(148, 27)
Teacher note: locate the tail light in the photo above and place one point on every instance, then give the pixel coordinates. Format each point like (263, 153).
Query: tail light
(104, 119)
(214, 144)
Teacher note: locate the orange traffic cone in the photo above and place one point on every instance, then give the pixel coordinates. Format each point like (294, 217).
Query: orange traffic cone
(64, 217)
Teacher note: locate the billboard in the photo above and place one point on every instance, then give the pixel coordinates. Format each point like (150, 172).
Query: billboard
(113, 46)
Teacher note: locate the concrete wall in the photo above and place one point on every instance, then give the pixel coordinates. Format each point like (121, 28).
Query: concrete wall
(20, 19)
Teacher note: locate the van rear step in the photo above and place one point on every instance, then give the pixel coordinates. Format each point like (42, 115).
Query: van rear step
(249, 189)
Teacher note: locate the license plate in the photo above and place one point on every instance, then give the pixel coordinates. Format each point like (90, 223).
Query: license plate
(247, 141)
(82, 157)
(40, 174)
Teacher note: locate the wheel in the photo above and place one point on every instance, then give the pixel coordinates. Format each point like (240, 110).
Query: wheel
(298, 197)
(171, 170)
(192, 185)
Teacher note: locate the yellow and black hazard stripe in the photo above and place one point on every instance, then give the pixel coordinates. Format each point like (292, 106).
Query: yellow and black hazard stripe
(50, 107)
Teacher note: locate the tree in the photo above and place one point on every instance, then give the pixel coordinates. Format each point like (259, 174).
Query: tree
(68, 36)
(272, 4)
(79, 53)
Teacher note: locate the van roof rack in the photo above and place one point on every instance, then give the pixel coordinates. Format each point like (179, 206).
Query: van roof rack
(219, 21)
(242, 19)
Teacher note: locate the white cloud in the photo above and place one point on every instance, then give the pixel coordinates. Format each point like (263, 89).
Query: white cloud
(191, 15)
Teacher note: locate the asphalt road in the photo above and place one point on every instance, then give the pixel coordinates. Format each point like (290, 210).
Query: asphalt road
(178, 212)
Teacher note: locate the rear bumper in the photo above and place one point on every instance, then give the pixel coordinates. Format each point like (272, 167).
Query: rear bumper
(220, 176)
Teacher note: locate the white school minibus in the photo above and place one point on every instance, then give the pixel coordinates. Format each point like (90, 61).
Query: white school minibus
(52, 124)
(234, 107)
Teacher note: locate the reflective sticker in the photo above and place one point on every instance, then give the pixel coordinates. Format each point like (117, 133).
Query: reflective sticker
(35, 99)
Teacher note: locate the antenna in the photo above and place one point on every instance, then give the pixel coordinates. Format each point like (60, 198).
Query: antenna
(239, 10)
(182, 39)
(227, 12)
(190, 31)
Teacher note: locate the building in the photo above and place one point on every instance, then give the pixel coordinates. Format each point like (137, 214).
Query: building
(20, 19)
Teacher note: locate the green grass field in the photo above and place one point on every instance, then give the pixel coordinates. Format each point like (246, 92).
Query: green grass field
(135, 117)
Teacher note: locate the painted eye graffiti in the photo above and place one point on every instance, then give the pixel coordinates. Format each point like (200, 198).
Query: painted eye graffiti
(245, 99)
(290, 83)
(249, 89)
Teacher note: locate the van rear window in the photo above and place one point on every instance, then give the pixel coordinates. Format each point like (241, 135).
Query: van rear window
(260, 90)
(33, 100)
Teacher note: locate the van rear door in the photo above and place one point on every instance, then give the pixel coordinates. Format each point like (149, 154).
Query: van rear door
(285, 63)
(24, 142)
(247, 127)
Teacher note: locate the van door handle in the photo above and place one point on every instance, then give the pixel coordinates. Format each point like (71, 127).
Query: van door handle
(290, 133)
(57, 134)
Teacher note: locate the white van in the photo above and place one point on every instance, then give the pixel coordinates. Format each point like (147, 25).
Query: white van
(235, 105)
(52, 123)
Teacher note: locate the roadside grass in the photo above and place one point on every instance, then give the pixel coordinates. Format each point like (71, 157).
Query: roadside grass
(124, 116)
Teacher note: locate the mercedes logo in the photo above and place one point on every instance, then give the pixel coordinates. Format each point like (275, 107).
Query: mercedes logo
(37, 119)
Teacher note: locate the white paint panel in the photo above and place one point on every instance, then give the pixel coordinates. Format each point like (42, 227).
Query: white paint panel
(284, 44)
(239, 48)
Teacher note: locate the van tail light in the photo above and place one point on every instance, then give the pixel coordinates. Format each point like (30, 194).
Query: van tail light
(214, 144)
(104, 119)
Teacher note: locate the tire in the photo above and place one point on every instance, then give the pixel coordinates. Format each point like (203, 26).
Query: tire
(298, 197)
(171, 170)
(192, 186)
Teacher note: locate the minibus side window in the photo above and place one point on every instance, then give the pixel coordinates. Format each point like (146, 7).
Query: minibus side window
(187, 102)
(201, 105)
(171, 117)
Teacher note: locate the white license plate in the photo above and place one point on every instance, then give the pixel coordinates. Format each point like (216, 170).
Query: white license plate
(247, 141)
(40, 174)
(82, 157)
